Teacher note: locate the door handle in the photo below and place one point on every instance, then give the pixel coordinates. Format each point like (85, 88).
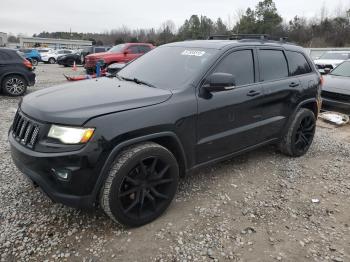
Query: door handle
(294, 84)
(253, 93)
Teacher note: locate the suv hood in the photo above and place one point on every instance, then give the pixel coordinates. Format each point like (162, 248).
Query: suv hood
(75, 103)
(336, 84)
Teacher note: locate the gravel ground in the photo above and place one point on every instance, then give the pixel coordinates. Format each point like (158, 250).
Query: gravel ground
(256, 207)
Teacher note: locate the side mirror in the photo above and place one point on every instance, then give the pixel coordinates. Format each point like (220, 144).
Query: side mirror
(219, 82)
(327, 71)
(126, 52)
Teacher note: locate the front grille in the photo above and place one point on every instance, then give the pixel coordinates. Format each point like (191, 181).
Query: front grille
(336, 96)
(25, 130)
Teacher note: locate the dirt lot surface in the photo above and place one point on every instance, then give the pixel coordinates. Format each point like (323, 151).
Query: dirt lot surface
(261, 206)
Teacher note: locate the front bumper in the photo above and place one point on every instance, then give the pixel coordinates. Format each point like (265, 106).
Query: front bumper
(78, 191)
(334, 105)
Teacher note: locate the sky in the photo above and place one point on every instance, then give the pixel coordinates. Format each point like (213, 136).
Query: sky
(29, 17)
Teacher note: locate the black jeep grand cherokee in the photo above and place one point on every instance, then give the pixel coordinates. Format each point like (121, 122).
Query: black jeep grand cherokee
(123, 142)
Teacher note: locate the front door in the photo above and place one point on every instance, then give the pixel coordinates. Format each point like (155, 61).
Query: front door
(230, 121)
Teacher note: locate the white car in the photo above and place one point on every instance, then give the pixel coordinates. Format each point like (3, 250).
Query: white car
(51, 57)
(331, 60)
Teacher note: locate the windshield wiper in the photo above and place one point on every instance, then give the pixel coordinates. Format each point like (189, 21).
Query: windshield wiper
(137, 81)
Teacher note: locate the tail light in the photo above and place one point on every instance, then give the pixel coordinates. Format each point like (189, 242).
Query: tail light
(27, 64)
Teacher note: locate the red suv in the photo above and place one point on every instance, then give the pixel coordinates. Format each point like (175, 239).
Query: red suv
(122, 53)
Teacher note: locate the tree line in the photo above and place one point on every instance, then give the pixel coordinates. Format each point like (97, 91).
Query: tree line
(264, 18)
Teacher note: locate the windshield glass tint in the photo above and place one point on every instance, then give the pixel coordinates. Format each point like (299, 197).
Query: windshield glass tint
(169, 67)
(336, 56)
(117, 48)
(342, 70)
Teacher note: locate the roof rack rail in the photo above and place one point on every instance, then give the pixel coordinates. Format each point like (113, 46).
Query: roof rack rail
(247, 36)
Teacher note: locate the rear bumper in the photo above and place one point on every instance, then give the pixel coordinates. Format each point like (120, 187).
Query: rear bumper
(334, 105)
(31, 79)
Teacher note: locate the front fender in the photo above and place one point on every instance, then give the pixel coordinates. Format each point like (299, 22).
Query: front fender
(118, 149)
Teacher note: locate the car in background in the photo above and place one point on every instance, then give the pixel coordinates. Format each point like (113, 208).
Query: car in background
(331, 60)
(70, 59)
(32, 55)
(44, 50)
(336, 89)
(52, 56)
(16, 72)
(93, 50)
(122, 53)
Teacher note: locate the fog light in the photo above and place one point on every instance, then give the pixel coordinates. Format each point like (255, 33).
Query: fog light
(62, 174)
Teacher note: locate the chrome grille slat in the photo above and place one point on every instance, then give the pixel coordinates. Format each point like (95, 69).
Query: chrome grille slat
(26, 131)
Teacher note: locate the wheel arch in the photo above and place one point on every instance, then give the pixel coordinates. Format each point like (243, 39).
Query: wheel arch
(311, 104)
(169, 140)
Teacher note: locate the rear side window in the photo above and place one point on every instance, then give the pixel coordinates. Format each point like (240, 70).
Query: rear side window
(298, 64)
(144, 48)
(240, 64)
(133, 49)
(100, 49)
(273, 65)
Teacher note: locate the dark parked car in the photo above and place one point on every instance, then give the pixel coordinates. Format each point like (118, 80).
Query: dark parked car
(123, 142)
(69, 59)
(336, 89)
(93, 50)
(16, 72)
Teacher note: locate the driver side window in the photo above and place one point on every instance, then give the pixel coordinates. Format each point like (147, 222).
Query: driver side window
(240, 64)
(133, 49)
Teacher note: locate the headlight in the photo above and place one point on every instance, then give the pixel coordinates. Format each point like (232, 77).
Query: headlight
(71, 135)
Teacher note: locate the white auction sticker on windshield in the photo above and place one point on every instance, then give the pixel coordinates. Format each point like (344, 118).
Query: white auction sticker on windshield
(193, 53)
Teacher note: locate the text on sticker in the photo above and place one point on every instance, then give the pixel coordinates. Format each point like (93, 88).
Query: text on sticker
(193, 53)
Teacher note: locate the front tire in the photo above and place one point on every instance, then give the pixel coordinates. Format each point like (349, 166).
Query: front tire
(299, 136)
(141, 184)
(14, 85)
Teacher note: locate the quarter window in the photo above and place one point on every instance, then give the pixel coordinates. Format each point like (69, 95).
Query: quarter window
(273, 65)
(240, 64)
(298, 65)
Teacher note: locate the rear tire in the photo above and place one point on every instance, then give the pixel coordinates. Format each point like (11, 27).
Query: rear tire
(299, 136)
(34, 61)
(52, 60)
(14, 85)
(141, 184)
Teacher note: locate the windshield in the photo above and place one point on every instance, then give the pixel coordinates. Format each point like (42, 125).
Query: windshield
(335, 56)
(117, 49)
(342, 70)
(169, 67)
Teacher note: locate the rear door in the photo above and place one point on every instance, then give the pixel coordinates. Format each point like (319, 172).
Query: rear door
(230, 121)
(281, 90)
(300, 67)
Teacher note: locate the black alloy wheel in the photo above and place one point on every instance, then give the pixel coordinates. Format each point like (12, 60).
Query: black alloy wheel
(145, 188)
(300, 134)
(141, 184)
(305, 133)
